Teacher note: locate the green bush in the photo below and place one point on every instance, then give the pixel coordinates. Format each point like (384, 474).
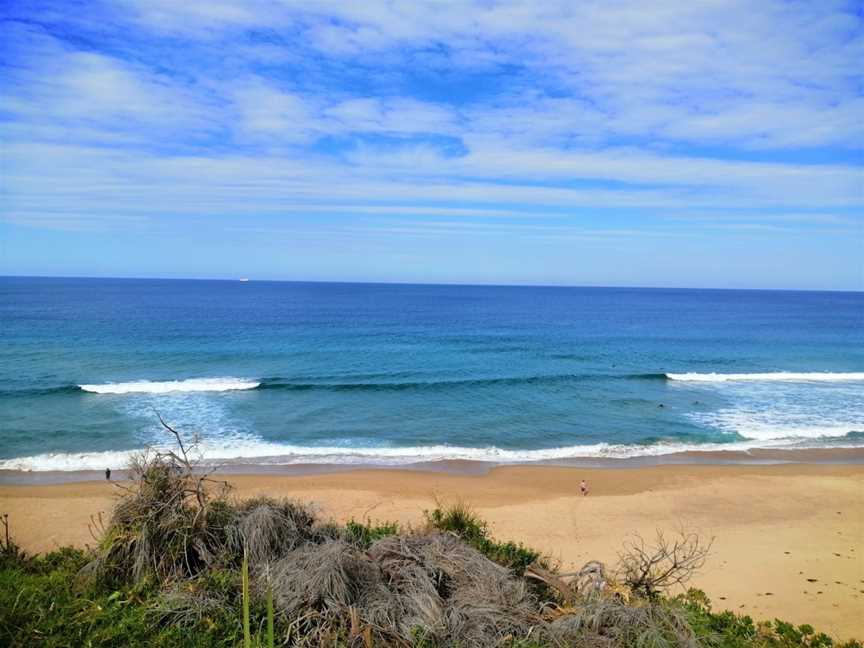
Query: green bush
(363, 535)
(729, 630)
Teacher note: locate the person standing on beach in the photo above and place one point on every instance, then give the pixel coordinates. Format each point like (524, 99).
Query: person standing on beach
(583, 486)
(108, 474)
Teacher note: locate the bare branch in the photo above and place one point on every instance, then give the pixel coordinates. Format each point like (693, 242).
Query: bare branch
(649, 569)
(176, 434)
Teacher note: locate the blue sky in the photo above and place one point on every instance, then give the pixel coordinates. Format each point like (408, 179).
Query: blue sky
(666, 143)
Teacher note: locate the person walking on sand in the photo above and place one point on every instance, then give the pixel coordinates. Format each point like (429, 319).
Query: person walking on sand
(583, 486)
(107, 474)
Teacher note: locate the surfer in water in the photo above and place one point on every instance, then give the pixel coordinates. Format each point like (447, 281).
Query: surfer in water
(107, 474)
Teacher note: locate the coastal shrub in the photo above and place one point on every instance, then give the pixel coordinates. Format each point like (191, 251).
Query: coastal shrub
(266, 529)
(363, 535)
(453, 591)
(428, 590)
(462, 521)
(323, 578)
(726, 629)
(169, 525)
(613, 623)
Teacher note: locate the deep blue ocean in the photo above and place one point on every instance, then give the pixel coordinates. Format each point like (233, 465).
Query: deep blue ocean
(280, 372)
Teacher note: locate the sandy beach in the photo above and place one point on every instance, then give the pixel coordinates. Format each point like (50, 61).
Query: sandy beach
(788, 539)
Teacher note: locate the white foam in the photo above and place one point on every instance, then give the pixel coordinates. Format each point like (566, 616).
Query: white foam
(780, 376)
(171, 386)
(260, 452)
(777, 423)
(762, 431)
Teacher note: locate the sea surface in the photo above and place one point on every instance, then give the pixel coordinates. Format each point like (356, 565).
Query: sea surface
(295, 373)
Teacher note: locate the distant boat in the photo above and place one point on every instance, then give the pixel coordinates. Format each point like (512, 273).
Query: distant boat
(244, 279)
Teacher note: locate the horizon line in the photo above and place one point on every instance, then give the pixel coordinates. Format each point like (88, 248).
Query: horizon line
(428, 283)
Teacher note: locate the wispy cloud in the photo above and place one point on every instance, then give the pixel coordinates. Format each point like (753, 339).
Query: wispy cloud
(586, 113)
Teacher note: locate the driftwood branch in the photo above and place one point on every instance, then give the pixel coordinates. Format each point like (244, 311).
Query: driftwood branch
(588, 581)
(565, 591)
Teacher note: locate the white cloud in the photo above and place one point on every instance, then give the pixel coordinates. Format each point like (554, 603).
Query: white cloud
(86, 183)
(89, 96)
(593, 97)
(266, 111)
(770, 74)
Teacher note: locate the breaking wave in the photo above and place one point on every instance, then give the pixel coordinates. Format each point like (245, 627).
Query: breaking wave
(324, 384)
(780, 376)
(258, 452)
(172, 386)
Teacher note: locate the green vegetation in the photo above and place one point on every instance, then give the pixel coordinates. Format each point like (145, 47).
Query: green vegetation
(728, 630)
(364, 535)
(181, 565)
(247, 633)
(44, 603)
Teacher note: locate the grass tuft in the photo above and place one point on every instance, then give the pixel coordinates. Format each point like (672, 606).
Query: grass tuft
(363, 535)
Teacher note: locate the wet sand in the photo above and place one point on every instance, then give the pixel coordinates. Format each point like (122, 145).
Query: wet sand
(788, 539)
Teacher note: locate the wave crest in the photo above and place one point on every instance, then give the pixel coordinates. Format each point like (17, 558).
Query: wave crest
(324, 383)
(779, 376)
(172, 386)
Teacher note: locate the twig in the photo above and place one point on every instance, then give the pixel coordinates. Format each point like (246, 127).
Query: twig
(176, 436)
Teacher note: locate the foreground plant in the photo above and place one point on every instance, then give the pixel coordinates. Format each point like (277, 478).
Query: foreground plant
(170, 524)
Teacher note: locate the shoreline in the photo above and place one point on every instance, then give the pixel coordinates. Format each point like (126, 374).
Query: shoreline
(799, 526)
(713, 457)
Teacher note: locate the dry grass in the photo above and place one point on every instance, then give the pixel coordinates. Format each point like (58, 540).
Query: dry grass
(452, 591)
(178, 530)
(611, 622)
(268, 529)
(170, 525)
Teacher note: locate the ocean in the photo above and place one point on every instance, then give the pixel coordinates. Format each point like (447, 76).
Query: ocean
(300, 373)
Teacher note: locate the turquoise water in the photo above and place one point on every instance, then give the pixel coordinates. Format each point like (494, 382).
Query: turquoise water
(277, 372)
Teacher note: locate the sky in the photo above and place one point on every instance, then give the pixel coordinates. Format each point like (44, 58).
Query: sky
(709, 143)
